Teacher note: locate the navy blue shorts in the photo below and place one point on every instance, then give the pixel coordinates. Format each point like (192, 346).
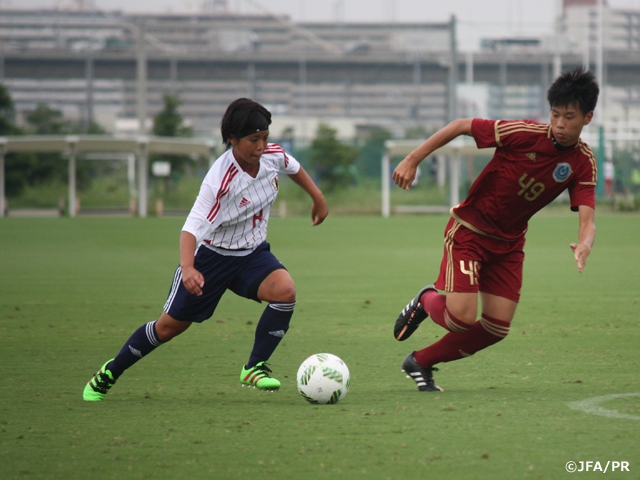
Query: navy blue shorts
(241, 275)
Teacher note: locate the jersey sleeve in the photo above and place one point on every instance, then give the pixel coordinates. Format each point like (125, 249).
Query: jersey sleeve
(292, 166)
(582, 194)
(509, 134)
(484, 132)
(582, 190)
(205, 216)
(287, 163)
(197, 223)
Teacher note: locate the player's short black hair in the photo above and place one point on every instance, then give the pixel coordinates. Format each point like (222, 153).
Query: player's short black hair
(243, 117)
(574, 87)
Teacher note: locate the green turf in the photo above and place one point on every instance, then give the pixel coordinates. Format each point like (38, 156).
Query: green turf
(73, 290)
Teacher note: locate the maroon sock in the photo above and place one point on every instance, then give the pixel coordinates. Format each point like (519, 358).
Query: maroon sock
(435, 304)
(453, 346)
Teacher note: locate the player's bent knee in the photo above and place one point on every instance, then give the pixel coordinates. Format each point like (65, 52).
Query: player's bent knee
(285, 293)
(463, 307)
(278, 287)
(168, 327)
(468, 317)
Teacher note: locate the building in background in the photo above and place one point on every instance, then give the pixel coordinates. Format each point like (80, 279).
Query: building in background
(580, 24)
(576, 42)
(620, 37)
(92, 65)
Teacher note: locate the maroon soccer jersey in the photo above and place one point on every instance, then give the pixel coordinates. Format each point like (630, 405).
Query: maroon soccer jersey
(526, 173)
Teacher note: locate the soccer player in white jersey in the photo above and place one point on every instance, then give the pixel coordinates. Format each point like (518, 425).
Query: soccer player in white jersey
(223, 247)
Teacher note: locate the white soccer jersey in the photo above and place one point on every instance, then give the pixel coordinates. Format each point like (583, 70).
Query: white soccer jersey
(231, 212)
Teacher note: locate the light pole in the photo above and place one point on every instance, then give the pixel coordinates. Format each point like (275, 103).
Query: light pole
(141, 79)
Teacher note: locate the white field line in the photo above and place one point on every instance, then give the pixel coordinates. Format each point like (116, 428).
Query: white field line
(592, 406)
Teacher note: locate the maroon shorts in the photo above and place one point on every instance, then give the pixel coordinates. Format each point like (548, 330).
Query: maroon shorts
(475, 263)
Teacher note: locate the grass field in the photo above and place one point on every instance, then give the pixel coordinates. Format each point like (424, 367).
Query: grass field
(73, 290)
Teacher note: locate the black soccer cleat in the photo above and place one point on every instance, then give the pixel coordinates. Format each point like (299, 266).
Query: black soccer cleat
(411, 316)
(421, 375)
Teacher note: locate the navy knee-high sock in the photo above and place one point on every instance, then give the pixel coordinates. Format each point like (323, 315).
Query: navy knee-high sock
(143, 341)
(272, 326)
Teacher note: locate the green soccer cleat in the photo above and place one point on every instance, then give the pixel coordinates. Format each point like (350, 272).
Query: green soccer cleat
(258, 377)
(99, 385)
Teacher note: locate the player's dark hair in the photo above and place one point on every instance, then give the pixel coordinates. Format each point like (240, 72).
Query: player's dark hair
(243, 117)
(574, 87)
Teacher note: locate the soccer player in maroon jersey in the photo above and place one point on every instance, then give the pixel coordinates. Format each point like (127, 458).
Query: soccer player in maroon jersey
(484, 239)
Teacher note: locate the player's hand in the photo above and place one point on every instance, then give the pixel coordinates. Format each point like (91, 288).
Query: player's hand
(405, 173)
(319, 212)
(580, 254)
(193, 280)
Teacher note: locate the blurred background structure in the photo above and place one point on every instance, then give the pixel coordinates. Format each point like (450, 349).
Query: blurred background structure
(99, 66)
(121, 73)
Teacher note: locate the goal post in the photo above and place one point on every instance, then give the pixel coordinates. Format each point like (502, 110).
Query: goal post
(453, 153)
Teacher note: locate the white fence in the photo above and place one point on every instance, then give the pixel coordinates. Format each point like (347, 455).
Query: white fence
(452, 152)
(601, 143)
(72, 145)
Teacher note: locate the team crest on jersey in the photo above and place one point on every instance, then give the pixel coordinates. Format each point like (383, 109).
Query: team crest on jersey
(562, 172)
(274, 183)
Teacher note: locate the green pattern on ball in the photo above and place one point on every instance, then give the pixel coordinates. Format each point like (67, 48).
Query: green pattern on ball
(308, 398)
(332, 374)
(304, 378)
(322, 357)
(335, 397)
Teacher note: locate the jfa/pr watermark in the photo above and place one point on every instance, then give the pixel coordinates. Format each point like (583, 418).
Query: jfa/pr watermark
(590, 466)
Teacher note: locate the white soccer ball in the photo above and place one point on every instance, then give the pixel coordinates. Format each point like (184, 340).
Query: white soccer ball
(323, 378)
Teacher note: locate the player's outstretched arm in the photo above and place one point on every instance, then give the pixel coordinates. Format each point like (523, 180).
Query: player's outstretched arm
(192, 279)
(405, 172)
(586, 236)
(319, 209)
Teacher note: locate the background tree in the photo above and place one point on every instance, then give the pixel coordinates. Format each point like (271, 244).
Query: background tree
(15, 164)
(370, 162)
(333, 162)
(417, 133)
(46, 121)
(53, 166)
(38, 168)
(7, 112)
(169, 123)
(49, 165)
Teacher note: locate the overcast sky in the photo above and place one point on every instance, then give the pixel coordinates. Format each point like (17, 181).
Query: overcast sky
(476, 18)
